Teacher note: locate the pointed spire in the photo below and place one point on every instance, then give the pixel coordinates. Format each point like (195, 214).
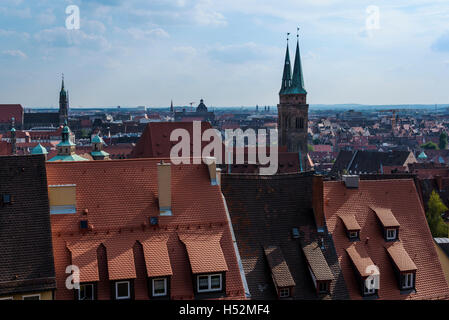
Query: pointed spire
(286, 77)
(297, 86)
(62, 85)
(171, 106)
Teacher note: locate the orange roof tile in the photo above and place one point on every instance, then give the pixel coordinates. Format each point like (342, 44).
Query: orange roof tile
(84, 256)
(386, 217)
(350, 222)
(360, 259)
(400, 257)
(204, 252)
(156, 257)
(401, 197)
(120, 259)
(118, 197)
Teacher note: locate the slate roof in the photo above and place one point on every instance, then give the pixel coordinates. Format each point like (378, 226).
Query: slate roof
(360, 161)
(120, 196)
(26, 256)
(399, 196)
(443, 243)
(263, 210)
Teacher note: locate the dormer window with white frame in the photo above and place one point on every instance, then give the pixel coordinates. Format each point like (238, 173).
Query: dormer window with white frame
(351, 226)
(123, 290)
(209, 283)
(391, 234)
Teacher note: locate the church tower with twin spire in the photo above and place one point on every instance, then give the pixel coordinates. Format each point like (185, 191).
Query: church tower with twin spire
(63, 104)
(293, 110)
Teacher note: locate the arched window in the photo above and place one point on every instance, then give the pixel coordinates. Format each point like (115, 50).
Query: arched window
(286, 124)
(301, 123)
(297, 123)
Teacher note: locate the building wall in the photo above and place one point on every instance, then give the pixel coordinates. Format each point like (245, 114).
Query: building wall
(290, 111)
(44, 295)
(444, 260)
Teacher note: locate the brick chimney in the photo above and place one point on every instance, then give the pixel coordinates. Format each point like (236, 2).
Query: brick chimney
(317, 202)
(164, 188)
(212, 167)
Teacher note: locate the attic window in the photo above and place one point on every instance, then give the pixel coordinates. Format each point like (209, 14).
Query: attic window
(284, 293)
(389, 223)
(391, 234)
(6, 199)
(352, 227)
(84, 224)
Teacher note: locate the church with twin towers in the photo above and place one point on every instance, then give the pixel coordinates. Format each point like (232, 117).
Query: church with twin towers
(293, 110)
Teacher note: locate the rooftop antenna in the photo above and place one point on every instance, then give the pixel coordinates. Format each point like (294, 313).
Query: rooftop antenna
(191, 105)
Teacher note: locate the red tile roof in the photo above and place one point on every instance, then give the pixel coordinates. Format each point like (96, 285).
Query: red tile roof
(120, 196)
(84, 256)
(157, 258)
(400, 196)
(350, 222)
(9, 111)
(120, 257)
(361, 259)
(386, 217)
(204, 250)
(400, 257)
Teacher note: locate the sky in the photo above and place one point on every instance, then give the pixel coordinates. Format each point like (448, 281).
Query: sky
(228, 52)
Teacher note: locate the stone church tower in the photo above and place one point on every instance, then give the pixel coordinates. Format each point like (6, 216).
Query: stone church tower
(293, 110)
(63, 104)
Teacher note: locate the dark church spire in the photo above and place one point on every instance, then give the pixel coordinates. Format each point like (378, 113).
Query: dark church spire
(63, 103)
(286, 77)
(297, 86)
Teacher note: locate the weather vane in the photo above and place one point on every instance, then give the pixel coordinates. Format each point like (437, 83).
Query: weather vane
(297, 32)
(288, 33)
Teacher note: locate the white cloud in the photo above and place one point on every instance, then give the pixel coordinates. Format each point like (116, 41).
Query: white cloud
(140, 34)
(14, 53)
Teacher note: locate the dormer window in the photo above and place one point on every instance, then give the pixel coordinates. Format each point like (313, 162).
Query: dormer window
(389, 223)
(391, 234)
(404, 266)
(284, 293)
(351, 226)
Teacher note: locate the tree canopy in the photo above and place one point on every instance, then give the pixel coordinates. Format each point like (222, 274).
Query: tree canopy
(434, 213)
(443, 141)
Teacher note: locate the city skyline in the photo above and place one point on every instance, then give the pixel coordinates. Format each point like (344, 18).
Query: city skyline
(133, 53)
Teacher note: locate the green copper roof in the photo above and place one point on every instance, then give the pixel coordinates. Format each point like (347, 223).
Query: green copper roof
(297, 86)
(13, 129)
(73, 157)
(422, 155)
(286, 76)
(99, 153)
(97, 139)
(39, 149)
(65, 144)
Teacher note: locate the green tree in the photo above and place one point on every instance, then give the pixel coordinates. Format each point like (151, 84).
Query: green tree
(310, 148)
(435, 209)
(443, 141)
(430, 146)
(316, 141)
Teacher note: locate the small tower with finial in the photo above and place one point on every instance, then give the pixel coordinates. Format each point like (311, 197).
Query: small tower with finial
(13, 137)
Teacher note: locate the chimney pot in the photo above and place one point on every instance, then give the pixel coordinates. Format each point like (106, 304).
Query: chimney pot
(164, 188)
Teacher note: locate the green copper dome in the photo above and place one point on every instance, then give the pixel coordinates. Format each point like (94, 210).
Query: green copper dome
(39, 149)
(97, 139)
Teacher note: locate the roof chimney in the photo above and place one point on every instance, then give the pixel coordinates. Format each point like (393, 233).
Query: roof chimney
(351, 181)
(219, 176)
(317, 202)
(164, 188)
(212, 166)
